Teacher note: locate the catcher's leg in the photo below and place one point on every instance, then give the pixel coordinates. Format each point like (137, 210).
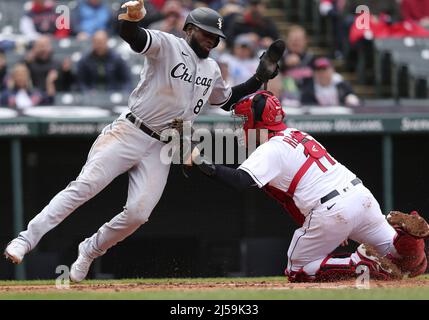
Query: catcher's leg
(345, 267)
(109, 156)
(322, 232)
(409, 243)
(356, 216)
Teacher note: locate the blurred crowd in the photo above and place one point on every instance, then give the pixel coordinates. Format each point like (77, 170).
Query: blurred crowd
(41, 59)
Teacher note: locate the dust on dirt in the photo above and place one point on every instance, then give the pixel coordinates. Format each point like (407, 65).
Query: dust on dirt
(198, 286)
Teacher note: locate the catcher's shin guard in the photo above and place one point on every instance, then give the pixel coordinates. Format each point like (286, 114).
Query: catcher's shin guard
(380, 268)
(409, 243)
(330, 270)
(299, 276)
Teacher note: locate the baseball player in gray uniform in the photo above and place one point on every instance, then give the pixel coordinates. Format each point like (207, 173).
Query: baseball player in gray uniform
(177, 80)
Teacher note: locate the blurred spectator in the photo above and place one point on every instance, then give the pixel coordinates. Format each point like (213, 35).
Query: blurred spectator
(229, 12)
(376, 7)
(242, 63)
(214, 4)
(157, 4)
(20, 94)
(40, 62)
(103, 69)
(416, 10)
(173, 20)
(41, 19)
(296, 65)
(253, 20)
(153, 13)
(333, 10)
(89, 17)
(327, 87)
(3, 70)
(382, 14)
(224, 72)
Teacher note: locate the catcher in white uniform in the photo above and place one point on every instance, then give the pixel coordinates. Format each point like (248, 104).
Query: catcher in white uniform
(177, 80)
(326, 199)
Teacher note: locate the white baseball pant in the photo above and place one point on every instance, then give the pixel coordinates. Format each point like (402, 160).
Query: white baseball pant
(120, 147)
(355, 214)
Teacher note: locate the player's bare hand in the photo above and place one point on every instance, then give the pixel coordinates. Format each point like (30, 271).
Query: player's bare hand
(135, 11)
(344, 243)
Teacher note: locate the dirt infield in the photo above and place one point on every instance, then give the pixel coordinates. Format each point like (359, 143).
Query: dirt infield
(198, 286)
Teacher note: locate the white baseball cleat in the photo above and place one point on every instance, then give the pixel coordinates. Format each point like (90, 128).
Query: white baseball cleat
(16, 250)
(80, 268)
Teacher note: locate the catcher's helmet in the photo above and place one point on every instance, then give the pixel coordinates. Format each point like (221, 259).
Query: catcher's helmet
(261, 109)
(206, 19)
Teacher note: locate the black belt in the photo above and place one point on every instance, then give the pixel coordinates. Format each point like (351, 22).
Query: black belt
(335, 193)
(139, 124)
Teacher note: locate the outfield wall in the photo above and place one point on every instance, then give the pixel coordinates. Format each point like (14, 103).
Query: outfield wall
(199, 228)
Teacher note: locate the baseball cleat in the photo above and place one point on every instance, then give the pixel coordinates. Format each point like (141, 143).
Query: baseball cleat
(16, 250)
(80, 268)
(412, 224)
(381, 266)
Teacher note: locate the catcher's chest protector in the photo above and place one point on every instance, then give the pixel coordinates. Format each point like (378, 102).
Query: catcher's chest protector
(314, 151)
(287, 202)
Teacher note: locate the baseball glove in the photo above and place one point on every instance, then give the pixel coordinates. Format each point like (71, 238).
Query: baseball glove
(187, 145)
(268, 67)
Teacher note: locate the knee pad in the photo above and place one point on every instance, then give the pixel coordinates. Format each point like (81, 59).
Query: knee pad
(419, 269)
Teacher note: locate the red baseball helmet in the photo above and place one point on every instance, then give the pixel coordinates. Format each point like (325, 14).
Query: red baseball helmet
(260, 110)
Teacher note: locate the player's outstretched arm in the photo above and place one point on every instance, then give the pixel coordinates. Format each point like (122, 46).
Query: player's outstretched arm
(267, 69)
(241, 90)
(129, 30)
(237, 179)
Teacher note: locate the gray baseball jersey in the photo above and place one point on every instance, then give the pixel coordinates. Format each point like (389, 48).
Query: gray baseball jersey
(175, 82)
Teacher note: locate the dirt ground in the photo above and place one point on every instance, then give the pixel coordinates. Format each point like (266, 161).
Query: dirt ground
(189, 286)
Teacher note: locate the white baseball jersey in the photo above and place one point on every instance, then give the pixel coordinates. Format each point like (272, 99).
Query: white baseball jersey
(175, 82)
(278, 160)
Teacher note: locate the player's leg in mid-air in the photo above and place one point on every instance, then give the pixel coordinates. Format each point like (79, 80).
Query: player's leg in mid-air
(118, 148)
(146, 183)
(355, 215)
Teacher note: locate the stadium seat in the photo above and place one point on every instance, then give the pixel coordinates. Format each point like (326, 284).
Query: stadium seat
(104, 99)
(379, 103)
(383, 49)
(414, 102)
(399, 75)
(418, 74)
(68, 99)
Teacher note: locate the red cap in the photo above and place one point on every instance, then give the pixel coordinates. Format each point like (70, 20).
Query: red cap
(322, 63)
